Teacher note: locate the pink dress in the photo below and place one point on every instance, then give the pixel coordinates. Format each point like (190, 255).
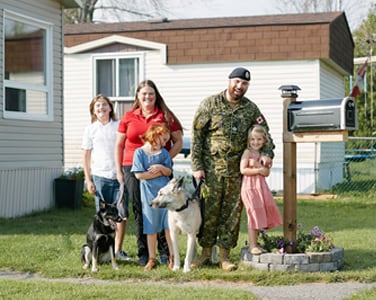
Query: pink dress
(262, 211)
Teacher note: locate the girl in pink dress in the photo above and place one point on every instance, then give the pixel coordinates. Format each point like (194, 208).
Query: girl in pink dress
(262, 212)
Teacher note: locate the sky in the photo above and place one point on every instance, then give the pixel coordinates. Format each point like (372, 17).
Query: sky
(355, 10)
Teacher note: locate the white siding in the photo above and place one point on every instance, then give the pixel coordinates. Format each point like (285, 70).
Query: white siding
(332, 84)
(331, 155)
(26, 190)
(31, 152)
(35, 143)
(192, 83)
(185, 86)
(77, 97)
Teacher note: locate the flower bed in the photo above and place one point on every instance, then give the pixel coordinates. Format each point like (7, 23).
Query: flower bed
(313, 252)
(314, 241)
(305, 262)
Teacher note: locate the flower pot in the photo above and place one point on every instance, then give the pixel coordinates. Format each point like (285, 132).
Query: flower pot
(68, 193)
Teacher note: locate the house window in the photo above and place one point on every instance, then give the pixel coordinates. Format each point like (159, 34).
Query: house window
(28, 68)
(117, 77)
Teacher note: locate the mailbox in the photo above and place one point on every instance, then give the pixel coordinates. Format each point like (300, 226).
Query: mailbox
(322, 115)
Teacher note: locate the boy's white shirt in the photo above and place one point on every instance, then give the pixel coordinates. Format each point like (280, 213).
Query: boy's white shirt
(100, 139)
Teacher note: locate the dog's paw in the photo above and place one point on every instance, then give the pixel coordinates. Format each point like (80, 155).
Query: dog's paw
(85, 266)
(115, 267)
(187, 269)
(175, 268)
(94, 270)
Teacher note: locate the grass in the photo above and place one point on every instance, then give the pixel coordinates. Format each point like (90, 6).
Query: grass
(58, 290)
(49, 243)
(362, 177)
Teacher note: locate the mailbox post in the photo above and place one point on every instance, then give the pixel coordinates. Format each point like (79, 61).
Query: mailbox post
(289, 95)
(308, 121)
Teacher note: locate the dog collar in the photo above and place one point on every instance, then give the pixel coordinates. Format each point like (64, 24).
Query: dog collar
(183, 207)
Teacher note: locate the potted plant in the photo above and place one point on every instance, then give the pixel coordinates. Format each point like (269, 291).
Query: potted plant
(68, 188)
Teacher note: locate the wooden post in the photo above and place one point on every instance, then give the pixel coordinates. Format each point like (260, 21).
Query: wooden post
(289, 171)
(289, 95)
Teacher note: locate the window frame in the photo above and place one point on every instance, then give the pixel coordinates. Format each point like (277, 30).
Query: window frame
(134, 55)
(47, 86)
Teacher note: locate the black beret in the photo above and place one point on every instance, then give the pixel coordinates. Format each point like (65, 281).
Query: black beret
(241, 73)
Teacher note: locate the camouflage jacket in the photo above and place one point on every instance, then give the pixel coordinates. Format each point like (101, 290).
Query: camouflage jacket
(219, 134)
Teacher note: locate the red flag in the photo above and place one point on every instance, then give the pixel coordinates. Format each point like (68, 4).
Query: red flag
(359, 80)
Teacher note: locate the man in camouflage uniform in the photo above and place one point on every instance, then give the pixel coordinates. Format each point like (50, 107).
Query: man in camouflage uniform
(219, 138)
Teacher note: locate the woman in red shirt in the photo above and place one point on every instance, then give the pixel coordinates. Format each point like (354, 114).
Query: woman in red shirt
(148, 108)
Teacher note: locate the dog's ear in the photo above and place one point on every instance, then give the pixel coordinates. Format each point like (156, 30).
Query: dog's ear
(179, 182)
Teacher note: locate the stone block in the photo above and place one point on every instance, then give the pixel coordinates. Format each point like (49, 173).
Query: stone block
(272, 258)
(338, 255)
(320, 257)
(303, 262)
(328, 267)
(296, 259)
(246, 256)
(308, 268)
(282, 268)
(337, 252)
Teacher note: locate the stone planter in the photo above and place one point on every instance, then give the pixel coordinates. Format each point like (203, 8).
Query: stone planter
(68, 193)
(304, 262)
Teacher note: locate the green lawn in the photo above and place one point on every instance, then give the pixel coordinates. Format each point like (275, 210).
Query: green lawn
(49, 244)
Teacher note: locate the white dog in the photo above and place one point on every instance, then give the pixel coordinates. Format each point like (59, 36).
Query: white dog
(183, 216)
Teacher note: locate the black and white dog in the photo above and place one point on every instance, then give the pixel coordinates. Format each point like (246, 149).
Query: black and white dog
(100, 239)
(184, 216)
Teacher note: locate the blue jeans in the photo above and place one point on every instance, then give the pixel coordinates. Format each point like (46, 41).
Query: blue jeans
(108, 191)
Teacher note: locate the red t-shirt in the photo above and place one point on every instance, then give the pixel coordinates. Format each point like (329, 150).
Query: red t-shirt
(133, 124)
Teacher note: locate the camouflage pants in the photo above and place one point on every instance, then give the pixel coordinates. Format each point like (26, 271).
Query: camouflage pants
(222, 211)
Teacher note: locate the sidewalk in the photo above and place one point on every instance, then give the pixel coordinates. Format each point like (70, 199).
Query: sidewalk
(313, 291)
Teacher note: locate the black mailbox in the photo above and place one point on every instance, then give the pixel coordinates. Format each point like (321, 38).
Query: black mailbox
(322, 115)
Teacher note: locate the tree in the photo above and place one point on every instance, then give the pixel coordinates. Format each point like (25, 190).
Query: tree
(354, 9)
(365, 42)
(305, 6)
(118, 10)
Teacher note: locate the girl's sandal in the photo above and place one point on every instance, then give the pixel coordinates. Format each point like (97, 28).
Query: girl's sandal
(151, 264)
(171, 262)
(257, 250)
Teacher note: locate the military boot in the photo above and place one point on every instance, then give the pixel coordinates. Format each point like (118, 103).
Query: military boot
(224, 260)
(204, 258)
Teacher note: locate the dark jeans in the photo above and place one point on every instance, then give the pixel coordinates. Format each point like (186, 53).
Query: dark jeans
(108, 190)
(133, 186)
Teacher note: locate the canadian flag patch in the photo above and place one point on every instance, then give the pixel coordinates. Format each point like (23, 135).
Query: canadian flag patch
(259, 120)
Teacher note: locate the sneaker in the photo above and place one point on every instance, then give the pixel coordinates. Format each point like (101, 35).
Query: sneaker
(122, 255)
(142, 261)
(163, 259)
